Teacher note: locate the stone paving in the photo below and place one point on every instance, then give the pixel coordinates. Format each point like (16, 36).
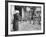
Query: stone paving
(26, 26)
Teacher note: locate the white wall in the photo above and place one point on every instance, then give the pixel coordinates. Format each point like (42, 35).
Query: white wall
(2, 18)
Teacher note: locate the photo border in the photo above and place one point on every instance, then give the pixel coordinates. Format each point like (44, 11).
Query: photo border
(6, 17)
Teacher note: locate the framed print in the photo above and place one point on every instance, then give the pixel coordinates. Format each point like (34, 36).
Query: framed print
(24, 18)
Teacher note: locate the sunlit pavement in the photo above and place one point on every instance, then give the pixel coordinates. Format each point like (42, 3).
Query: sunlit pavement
(26, 26)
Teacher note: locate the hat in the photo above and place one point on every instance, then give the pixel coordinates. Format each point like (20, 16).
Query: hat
(38, 9)
(15, 11)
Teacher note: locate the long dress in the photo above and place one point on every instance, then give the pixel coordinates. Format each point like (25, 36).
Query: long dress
(15, 22)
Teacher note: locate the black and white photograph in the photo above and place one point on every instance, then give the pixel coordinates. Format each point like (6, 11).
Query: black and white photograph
(25, 18)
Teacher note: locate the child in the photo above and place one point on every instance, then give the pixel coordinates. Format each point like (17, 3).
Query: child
(37, 16)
